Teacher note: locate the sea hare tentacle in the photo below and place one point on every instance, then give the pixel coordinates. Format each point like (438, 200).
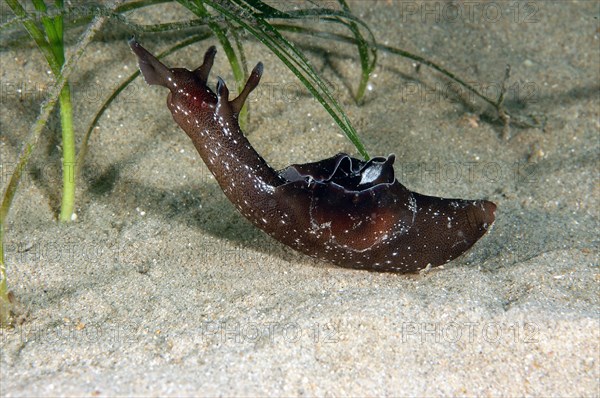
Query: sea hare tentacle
(203, 70)
(251, 84)
(341, 209)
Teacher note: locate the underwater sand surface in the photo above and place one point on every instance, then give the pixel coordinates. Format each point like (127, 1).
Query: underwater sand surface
(161, 288)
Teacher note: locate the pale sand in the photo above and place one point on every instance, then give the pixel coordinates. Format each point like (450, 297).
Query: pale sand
(161, 288)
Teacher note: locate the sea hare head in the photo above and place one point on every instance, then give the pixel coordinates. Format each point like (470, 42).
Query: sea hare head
(188, 90)
(192, 103)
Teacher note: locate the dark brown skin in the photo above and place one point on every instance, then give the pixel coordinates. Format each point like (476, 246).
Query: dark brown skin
(343, 210)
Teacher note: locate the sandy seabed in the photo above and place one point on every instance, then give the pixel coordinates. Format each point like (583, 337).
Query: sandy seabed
(160, 288)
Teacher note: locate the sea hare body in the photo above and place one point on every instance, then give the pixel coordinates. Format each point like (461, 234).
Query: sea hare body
(343, 210)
